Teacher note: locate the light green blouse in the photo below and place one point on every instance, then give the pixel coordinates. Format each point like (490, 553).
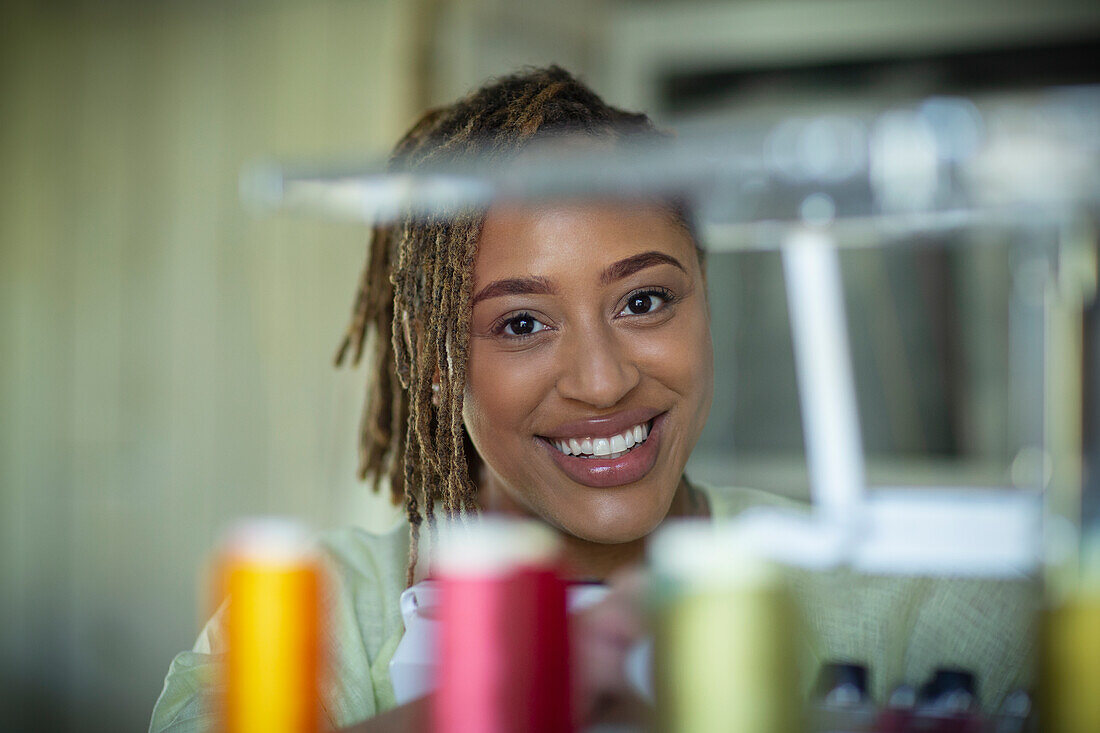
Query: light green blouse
(902, 628)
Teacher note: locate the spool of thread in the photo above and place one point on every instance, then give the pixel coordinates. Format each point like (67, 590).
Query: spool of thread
(503, 637)
(272, 669)
(726, 635)
(1069, 695)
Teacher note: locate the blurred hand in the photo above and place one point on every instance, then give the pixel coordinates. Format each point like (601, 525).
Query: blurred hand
(602, 636)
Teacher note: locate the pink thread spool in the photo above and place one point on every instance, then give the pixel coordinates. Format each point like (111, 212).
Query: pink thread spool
(503, 637)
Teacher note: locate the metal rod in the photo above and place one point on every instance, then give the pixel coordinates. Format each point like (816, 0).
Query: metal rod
(826, 386)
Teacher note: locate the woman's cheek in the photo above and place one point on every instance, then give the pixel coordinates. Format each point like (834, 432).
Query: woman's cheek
(504, 386)
(680, 351)
(527, 376)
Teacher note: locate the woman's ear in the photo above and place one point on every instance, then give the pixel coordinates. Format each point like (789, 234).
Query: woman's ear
(435, 389)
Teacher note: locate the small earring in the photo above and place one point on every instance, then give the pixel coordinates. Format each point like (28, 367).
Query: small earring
(435, 388)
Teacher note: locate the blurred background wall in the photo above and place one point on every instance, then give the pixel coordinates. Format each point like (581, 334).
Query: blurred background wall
(165, 359)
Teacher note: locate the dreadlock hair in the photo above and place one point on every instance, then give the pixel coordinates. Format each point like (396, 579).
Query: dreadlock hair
(412, 307)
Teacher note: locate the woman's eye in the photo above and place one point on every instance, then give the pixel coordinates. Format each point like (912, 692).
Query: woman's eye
(644, 302)
(522, 325)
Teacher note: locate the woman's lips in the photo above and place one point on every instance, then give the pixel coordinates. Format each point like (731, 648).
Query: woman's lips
(607, 472)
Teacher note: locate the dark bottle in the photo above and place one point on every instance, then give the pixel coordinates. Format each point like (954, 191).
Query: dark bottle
(841, 699)
(948, 703)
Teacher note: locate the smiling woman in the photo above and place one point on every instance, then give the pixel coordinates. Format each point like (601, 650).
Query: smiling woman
(554, 361)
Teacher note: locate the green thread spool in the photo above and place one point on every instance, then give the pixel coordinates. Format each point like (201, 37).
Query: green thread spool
(726, 635)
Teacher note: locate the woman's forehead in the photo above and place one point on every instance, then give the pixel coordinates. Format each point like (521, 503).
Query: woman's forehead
(576, 232)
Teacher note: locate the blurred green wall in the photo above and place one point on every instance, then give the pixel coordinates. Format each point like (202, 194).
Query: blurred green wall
(165, 359)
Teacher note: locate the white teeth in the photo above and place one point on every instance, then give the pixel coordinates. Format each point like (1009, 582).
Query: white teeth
(612, 447)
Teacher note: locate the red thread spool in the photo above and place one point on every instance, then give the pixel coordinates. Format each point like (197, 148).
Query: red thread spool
(503, 636)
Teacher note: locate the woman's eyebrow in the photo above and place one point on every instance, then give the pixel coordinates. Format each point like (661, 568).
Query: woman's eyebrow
(537, 285)
(533, 285)
(630, 265)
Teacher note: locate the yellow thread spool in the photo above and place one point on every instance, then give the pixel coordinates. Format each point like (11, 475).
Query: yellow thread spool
(1070, 665)
(273, 664)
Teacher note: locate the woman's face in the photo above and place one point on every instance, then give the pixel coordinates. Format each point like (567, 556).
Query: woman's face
(589, 336)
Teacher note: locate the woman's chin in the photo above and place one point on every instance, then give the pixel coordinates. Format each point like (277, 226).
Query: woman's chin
(612, 517)
(612, 532)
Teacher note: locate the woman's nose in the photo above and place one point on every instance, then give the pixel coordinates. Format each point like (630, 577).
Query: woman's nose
(596, 368)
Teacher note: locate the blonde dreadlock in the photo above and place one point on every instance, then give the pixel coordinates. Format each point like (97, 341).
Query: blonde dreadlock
(412, 308)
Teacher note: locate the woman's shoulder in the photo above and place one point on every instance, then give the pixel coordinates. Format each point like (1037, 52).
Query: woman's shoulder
(358, 554)
(366, 574)
(365, 578)
(729, 501)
